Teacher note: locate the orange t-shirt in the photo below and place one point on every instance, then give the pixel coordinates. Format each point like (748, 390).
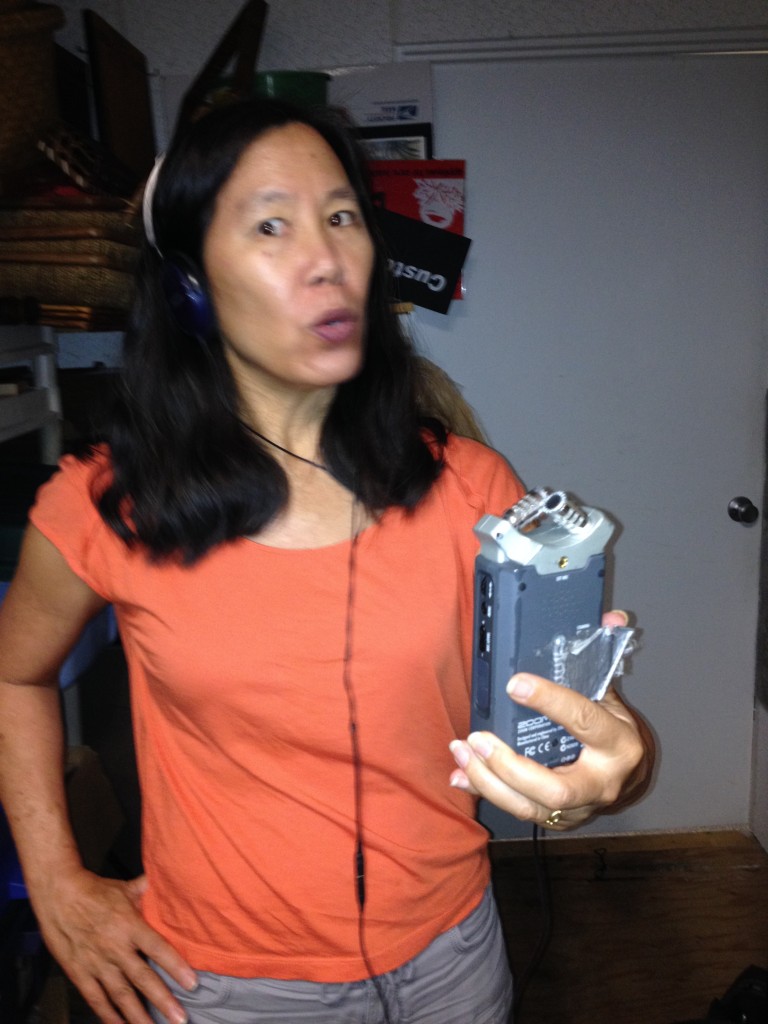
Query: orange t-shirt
(243, 728)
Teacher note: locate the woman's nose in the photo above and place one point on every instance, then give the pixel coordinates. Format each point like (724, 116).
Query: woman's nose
(325, 265)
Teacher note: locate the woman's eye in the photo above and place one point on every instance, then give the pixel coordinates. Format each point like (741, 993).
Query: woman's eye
(273, 226)
(343, 218)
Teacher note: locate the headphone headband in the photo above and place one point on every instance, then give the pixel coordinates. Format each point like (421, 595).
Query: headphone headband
(184, 291)
(147, 200)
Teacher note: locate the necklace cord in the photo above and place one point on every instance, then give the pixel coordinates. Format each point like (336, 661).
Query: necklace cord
(359, 858)
(286, 451)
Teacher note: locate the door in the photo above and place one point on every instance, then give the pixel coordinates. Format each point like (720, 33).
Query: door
(612, 339)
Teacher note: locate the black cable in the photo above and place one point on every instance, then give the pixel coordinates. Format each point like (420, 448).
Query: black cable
(287, 451)
(545, 899)
(359, 857)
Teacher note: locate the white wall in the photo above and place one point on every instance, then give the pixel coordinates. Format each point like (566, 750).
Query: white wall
(178, 35)
(609, 342)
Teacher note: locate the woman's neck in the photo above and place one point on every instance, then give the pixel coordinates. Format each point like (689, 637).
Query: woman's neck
(286, 451)
(291, 422)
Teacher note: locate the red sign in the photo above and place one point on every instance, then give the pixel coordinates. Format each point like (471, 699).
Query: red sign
(431, 191)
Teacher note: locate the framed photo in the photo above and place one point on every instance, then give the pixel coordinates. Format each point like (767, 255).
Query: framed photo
(397, 141)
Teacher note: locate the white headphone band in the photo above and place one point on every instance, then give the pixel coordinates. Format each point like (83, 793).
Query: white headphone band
(148, 199)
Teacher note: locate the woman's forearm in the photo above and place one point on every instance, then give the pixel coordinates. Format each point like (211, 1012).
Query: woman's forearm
(32, 789)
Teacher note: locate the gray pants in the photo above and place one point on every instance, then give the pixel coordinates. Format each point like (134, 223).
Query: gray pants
(461, 978)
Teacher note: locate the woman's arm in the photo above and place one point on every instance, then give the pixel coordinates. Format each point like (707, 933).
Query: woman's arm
(92, 926)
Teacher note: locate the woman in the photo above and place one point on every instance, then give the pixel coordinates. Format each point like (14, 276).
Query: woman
(289, 551)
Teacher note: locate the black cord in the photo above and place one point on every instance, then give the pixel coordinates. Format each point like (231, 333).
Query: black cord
(359, 857)
(545, 899)
(287, 451)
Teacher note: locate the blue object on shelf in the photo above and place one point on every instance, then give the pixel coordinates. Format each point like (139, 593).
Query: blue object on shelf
(11, 881)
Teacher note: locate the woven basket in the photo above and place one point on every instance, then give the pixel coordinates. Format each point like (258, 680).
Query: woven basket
(112, 255)
(91, 281)
(79, 251)
(102, 212)
(68, 247)
(27, 83)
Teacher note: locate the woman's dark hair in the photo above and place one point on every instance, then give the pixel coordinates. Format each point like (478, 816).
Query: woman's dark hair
(187, 474)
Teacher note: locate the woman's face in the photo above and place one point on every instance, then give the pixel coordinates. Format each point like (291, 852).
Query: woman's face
(288, 260)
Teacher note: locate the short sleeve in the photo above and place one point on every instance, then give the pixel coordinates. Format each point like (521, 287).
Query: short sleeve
(65, 512)
(489, 482)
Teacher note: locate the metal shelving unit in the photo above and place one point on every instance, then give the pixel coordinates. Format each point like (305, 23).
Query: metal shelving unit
(38, 408)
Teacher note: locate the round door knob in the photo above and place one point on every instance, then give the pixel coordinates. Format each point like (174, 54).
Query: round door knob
(741, 510)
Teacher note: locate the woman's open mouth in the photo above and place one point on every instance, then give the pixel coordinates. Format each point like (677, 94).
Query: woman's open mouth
(336, 326)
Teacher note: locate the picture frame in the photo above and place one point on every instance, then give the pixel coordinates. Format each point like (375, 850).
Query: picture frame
(400, 141)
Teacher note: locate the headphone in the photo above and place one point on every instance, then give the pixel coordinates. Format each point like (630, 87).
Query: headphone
(181, 281)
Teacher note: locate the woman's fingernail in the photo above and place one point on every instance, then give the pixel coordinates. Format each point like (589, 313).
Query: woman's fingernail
(190, 981)
(460, 753)
(178, 1016)
(519, 686)
(459, 780)
(481, 744)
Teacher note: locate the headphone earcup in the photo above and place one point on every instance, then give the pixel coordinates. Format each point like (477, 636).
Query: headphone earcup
(187, 298)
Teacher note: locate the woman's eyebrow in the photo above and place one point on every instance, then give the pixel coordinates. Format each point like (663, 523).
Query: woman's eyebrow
(265, 198)
(343, 192)
(268, 197)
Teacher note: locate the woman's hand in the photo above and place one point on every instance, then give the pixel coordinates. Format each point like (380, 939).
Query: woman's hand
(614, 763)
(93, 928)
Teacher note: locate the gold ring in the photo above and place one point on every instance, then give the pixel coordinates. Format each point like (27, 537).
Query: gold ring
(554, 818)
